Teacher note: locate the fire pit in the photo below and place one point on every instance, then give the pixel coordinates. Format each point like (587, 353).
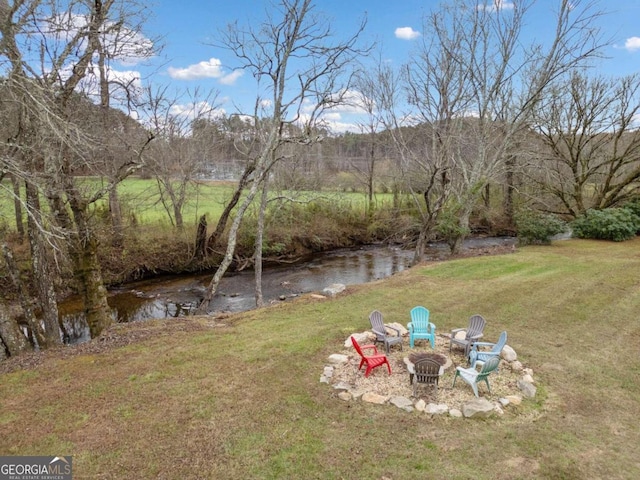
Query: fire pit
(438, 357)
(410, 361)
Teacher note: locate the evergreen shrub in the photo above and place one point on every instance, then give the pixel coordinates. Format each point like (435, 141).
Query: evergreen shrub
(535, 227)
(615, 224)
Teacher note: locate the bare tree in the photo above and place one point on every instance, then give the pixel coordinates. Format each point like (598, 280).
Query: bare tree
(181, 152)
(295, 65)
(477, 81)
(49, 49)
(368, 88)
(590, 152)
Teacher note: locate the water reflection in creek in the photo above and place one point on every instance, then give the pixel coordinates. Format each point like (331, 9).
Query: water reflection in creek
(175, 296)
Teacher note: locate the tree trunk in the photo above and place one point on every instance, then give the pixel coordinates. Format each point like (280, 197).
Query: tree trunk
(224, 218)
(97, 310)
(258, 246)
(458, 240)
(84, 250)
(17, 206)
(203, 308)
(421, 244)
(43, 277)
(508, 197)
(201, 239)
(11, 336)
(116, 216)
(25, 300)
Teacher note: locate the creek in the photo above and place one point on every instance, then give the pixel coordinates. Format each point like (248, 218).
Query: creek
(175, 296)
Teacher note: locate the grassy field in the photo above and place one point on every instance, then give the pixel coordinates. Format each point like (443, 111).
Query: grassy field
(240, 397)
(141, 198)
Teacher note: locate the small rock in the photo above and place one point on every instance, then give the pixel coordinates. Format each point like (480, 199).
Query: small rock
(479, 407)
(434, 409)
(527, 378)
(504, 401)
(334, 289)
(346, 396)
(514, 399)
(461, 335)
(509, 354)
(454, 412)
(516, 366)
(357, 393)
(374, 398)
(328, 372)
(342, 386)
(398, 326)
(528, 389)
(338, 358)
(420, 405)
(323, 379)
(362, 338)
(403, 403)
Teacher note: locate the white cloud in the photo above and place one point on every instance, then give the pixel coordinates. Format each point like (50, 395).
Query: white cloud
(122, 43)
(498, 5)
(197, 110)
(231, 78)
(632, 44)
(406, 33)
(211, 68)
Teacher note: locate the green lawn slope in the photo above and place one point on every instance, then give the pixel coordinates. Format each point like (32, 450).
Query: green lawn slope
(240, 397)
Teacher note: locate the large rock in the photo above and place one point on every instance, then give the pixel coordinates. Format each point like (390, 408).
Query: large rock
(478, 408)
(334, 289)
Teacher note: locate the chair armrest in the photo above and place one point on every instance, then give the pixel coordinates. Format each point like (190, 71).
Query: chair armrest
(410, 327)
(432, 327)
(456, 330)
(369, 347)
(481, 344)
(397, 330)
(475, 337)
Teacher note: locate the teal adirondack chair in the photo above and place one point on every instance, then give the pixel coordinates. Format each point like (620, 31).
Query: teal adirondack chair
(420, 328)
(477, 356)
(473, 376)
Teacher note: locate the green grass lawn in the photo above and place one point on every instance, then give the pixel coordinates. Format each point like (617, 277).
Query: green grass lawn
(190, 399)
(141, 198)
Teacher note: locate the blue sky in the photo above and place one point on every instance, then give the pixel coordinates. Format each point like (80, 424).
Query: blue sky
(189, 29)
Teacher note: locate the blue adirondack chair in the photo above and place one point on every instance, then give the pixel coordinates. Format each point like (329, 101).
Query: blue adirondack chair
(477, 356)
(420, 328)
(473, 376)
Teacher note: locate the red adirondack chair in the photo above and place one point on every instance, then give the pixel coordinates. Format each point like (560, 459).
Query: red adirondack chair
(372, 361)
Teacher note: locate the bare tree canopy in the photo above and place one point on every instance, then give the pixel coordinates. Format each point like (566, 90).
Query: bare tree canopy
(300, 74)
(589, 150)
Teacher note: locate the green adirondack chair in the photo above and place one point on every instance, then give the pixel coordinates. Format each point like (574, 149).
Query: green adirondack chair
(473, 376)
